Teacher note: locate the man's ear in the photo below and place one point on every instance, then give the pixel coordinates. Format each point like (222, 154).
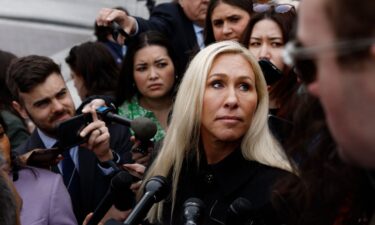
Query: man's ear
(20, 109)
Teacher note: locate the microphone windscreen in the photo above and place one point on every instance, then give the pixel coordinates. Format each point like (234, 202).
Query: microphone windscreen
(239, 211)
(143, 128)
(194, 210)
(194, 202)
(158, 185)
(123, 197)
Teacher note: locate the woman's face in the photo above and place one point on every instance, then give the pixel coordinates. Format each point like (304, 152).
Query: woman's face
(229, 22)
(266, 41)
(153, 72)
(4, 146)
(230, 99)
(79, 84)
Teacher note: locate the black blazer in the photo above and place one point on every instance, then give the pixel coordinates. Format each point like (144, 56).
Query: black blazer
(220, 184)
(93, 183)
(170, 19)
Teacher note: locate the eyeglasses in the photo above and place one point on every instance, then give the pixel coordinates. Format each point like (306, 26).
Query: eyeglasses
(303, 58)
(278, 8)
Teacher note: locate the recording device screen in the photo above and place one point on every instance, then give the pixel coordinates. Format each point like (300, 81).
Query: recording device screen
(68, 131)
(271, 73)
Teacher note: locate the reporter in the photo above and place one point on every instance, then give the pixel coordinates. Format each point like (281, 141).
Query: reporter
(227, 20)
(40, 94)
(148, 81)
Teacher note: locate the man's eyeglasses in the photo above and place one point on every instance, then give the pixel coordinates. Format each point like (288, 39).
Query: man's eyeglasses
(303, 58)
(278, 8)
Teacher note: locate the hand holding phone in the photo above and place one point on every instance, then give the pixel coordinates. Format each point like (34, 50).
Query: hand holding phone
(43, 158)
(271, 73)
(68, 132)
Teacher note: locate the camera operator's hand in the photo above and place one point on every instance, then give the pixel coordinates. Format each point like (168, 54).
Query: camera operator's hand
(98, 137)
(107, 15)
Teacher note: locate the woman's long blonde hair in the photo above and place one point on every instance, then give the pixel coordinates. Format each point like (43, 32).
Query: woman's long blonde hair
(183, 135)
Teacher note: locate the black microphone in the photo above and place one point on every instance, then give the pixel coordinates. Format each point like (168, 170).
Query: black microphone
(144, 129)
(118, 193)
(239, 212)
(193, 211)
(156, 189)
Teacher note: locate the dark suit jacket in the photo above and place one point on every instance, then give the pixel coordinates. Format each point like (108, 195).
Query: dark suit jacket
(170, 19)
(93, 183)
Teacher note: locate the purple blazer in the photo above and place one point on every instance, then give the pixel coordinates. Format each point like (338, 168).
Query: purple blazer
(46, 200)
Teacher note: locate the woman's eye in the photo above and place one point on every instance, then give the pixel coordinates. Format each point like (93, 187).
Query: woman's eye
(244, 87)
(254, 44)
(217, 23)
(234, 19)
(277, 44)
(216, 84)
(161, 65)
(141, 68)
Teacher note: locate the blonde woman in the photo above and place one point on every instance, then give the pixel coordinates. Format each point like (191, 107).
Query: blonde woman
(218, 146)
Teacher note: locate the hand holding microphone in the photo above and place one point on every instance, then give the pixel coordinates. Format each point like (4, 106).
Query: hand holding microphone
(144, 129)
(119, 195)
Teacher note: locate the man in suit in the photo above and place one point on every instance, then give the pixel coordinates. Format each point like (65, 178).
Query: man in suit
(40, 94)
(182, 22)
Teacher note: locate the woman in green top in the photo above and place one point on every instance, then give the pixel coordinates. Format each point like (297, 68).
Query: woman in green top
(148, 79)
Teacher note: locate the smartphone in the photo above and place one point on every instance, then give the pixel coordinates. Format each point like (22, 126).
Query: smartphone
(68, 131)
(271, 73)
(43, 158)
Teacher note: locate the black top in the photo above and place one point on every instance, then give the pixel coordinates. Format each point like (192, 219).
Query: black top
(220, 184)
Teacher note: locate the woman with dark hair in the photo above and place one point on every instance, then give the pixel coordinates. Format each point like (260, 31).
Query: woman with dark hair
(148, 80)
(93, 69)
(227, 20)
(269, 30)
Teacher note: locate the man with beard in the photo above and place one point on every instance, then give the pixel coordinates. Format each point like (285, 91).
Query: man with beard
(40, 94)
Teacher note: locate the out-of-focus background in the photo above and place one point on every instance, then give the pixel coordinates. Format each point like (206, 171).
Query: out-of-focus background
(52, 27)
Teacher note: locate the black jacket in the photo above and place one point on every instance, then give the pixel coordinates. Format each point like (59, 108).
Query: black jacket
(170, 19)
(220, 184)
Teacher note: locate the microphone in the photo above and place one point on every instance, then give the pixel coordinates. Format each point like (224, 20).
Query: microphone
(119, 194)
(144, 129)
(193, 211)
(239, 212)
(156, 189)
